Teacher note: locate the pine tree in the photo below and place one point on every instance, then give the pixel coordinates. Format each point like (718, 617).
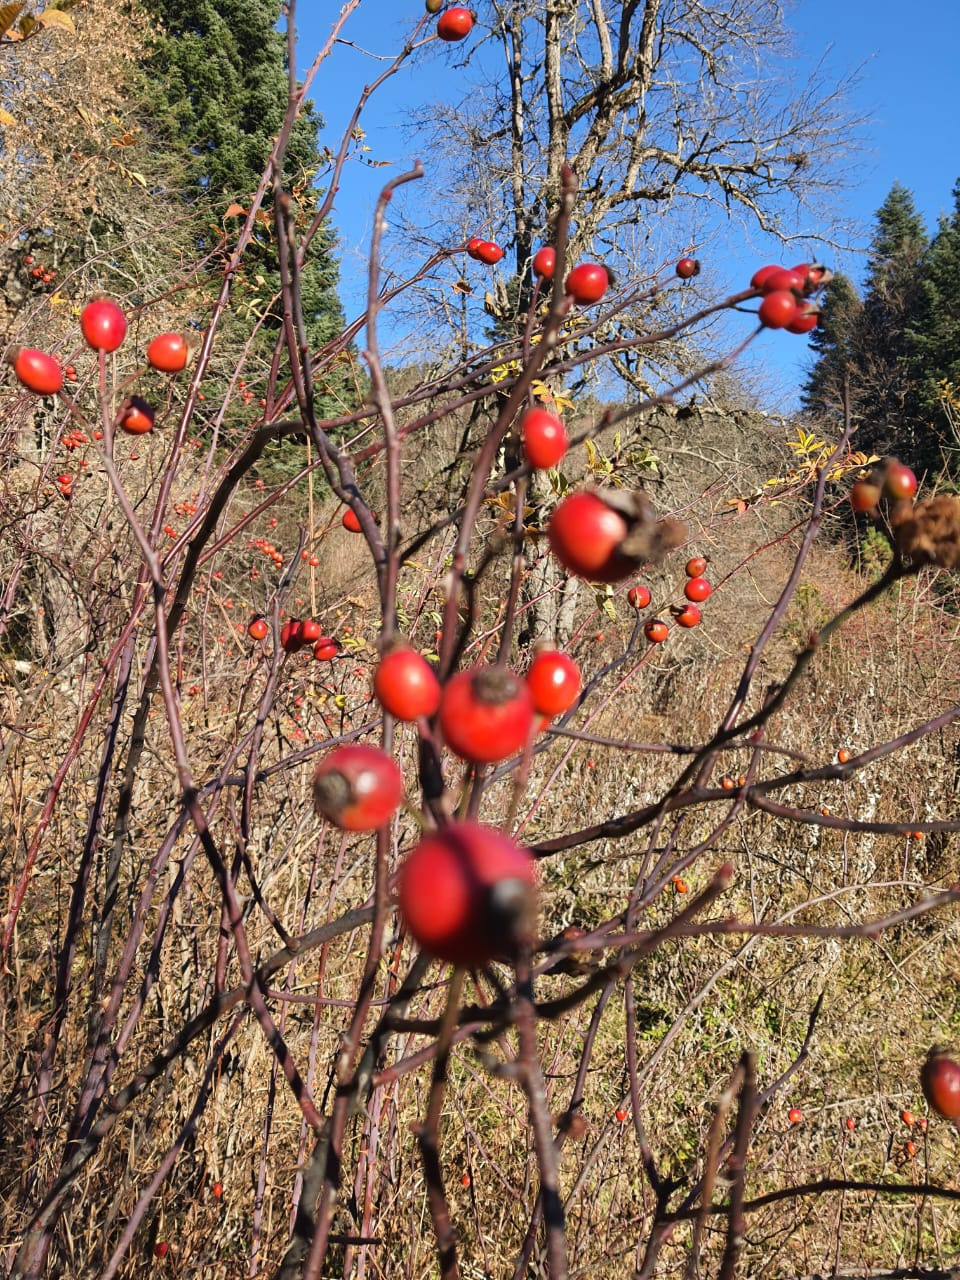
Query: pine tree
(219, 100)
(889, 411)
(835, 340)
(935, 335)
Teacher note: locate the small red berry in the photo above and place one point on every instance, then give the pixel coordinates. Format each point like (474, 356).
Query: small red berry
(697, 589)
(850, 1123)
(357, 787)
(545, 262)
(161, 1249)
(488, 252)
(310, 631)
(325, 649)
(466, 892)
(351, 521)
(843, 755)
(217, 1190)
(103, 324)
(638, 596)
(900, 482)
(257, 629)
(585, 534)
(168, 352)
(689, 616)
(138, 417)
(544, 438)
(910, 1148)
(687, 268)
(795, 1115)
(696, 567)
(761, 274)
(621, 1115)
(940, 1079)
(455, 24)
(864, 496)
(290, 636)
(486, 714)
(778, 309)
(37, 371)
(783, 279)
(907, 1118)
(465, 1180)
(807, 319)
(656, 631)
(406, 685)
(554, 681)
(587, 282)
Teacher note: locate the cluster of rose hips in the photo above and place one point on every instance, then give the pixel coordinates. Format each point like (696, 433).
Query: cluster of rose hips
(465, 890)
(38, 272)
(893, 481)
(268, 549)
(786, 291)
(104, 327)
(297, 634)
(696, 589)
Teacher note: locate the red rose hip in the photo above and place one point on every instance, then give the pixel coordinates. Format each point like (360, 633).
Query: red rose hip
(467, 893)
(486, 714)
(357, 787)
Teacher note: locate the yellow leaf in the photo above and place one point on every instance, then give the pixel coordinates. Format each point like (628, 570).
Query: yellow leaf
(8, 16)
(56, 18)
(6, 117)
(85, 115)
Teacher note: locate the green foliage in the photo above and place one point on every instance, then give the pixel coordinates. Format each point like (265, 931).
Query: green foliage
(218, 98)
(935, 337)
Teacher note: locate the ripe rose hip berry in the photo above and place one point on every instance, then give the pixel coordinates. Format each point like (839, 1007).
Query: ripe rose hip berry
(405, 684)
(587, 282)
(357, 787)
(638, 596)
(689, 616)
(291, 639)
(103, 324)
(310, 631)
(544, 438)
(488, 252)
(864, 496)
(697, 589)
(161, 1249)
(554, 681)
(850, 1123)
(455, 23)
(467, 893)
(545, 262)
(168, 352)
(795, 1115)
(783, 278)
(620, 1115)
(325, 649)
(585, 534)
(940, 1079)
(486, 714)
(138, 417)
(473, 244)
(696, 567)
(762, 273)
(778, 309)
(656, 631)
(843, 755)
(900, 482)
(807, 319)
(258, 629)
(37, 371)
(907, 1118)
(686, 268)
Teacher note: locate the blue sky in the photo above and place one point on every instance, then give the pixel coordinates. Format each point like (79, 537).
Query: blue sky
(906, 56)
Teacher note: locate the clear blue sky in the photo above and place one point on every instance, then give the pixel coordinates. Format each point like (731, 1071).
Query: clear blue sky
(907, 56)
